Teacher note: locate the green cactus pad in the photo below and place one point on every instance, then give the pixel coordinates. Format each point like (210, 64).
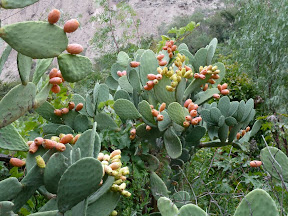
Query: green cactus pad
(176, 113)
(158, 187)
(145, 110)
(205, 114)
(81, 123)
(233, 107)
(42, 96)
(271, 166)
(79, 181)
(50, 205)
(46, 110)
(172, 143)
(249, 118)
(50, 128)
(195, 134)
(11, 4)
(69, 118)
(9, 188)
(89, 106)
(248, 107)
(24, 67)
(100, 94)
(6, 208)
(258, 202)
(163, 125)
(35, 39)
(42, 66)
(195, 86)
(111, 83)
(79, 209)
(102, 190)
(148, 135)
(256, 127)
(211, 50)
(74, 67)
(224, 105)
(12, 108)
(191, 210)
(47, 213)
(100, 205)
(182, 46)
(233, 132)
(180, 90)
(181, 198)
(75, 155)
(121, 94)
(200, 59)
(167, 207)
(105, 121)
(126, 110)
(230, 121)
(138, 54)
(162, 95)
(123, 59)
(215, 114)
(64, 129)
(205, 96)
(10, 139)
(148, 65)
(240, 111)
(55, 168)
(116, 67)
(134, 80)
(223, 133)
(124, 84)
(4, 57)
(151, 160)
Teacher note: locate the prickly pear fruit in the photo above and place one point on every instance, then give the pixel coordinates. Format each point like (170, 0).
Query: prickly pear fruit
(158, 76)
(53, 73)
(194, 121)
(134, 64)
(49, 144)
(66, 139)
(193, 113)
(162, 63)
(224, 92)
(124, 73)
(224, 86)
(162, 107)
(74, 48)
(75, 138)
(60, 147)
(154, 112)
(255, 163)
(40, 161)
(247, 129)
(33, 148)
(146, 87)
(160, 57)
(219, 87)
(150, 84)
(79, 107)
(174, 47)
(119, 73)
(115, 152)
(71, 26)
(132, 137)
(56, 88)
(148, 128)
(151, 76)
(186, 124)
(217, 96)
(238, 136)
(71, 105)
(205, 87)
(187, 102)
(58, 112)
(155, 81)
(114, 213)
(54, 16)
(160, 117)
(115, 165)
(188, 118)
(64, 111)
(17, 162)
(100, 156)
(243, 132)
(38, 141)
(133, 131)
(55, 81)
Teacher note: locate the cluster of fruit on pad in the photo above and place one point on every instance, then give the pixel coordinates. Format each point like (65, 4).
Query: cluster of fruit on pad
(65, 110)
(170, 47)
(192, 118)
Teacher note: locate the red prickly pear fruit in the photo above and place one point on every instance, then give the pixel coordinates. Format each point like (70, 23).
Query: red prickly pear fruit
(186, 124)
(219, 87)
(160, 57)
(114, 153)
(152, 107)
(162, 63)
(67, 139)
(158, 76)
(74, 48)
(190, 106)
(193, 113)
(247, 129)
(16, 162)
(202, 76)
(155, 81)
(124, 73)
(56, 88)
(188, 118)
(71, 105)
(199, 118)
(133, 131)
(215, 76)
(76, 138)
(71, 26)
(55, 81)
(204, 72)
(64, 111)
(160, 117)
(195, 106)
(33, 148)
(170, 55)
(165, 48)
(155, 112)
(148, 128)
(57, 112)
(194, 121)
(211, 81)
(238, 136)
(150, 84)
(146, 87)
(60, 147)
(187, 68)
(243, 132)
(38, 141)
(162, 107)
(224, 86)
(205, 87)
(54, 16)
(29, 143)
(79, 107)
(132, 137)
(216, 96)
(134, 64)
(174, 47)
(255, 163)
(172, 42)
(119, 73)
(196, 75)
(49, 144)
(187, 102)
(151, 76)
(60, 75)
(225, 92)
(53, 73)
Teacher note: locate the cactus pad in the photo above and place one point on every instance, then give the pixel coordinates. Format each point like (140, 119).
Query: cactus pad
(158, 187)
(111, 83)
(162, 95)
(224, 105)
(11, 4)
(121, 94)
(10, 139)
(24, 67)
(172, 143)
(176, 113)
(47, 213)
(163, 125)
(148, 65)
(205, 96)
(4, 57)
(12, 108)
(41, 67)
(134, 80)
(74, 67)
(211, 50)
(104, 121)
(123, 59)
(42, 96)
(167, 207)
(200, 58)
(35, 39)
(81, 123)
(124, 84)
(145, 110)
(126, 109)
(6, 208)
(79, 181)
(9, 188)
(191, 210)
(87, 143)
(46, 110)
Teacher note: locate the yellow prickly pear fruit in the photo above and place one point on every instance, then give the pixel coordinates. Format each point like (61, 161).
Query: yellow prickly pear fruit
(55, 138)
(40, 162)
(105, 163)
(115, 153)
(123, 178)
(119, 181)
(214, 68)
(216, 71)
(106, 157)
(126, 193)
(122, 186)
(170, 88)
(179, 78)
(174, 84)
(114, 213)
(159, 70)
(108, 170)
(100, 156)
(124, 171)
(201, 68)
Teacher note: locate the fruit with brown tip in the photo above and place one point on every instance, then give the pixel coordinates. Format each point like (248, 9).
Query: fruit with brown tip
(33, 148)
(186, 124)
(16, 162)
(71, 26)
(79, 107)
(162, 63)
(162, 107)
(49, 144)
(60, 147)
(38, 141)
(53, 73)
(66, 139)
(255, 163)
(71, 105)
(160, 57)
(148, 128)
(160, 117)
(55, 81)
(134, 64)
(64, 111)
(56, 88)
(154, 112)
(133, 131)
(54, 16)
(57, 112)
(74, 48)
